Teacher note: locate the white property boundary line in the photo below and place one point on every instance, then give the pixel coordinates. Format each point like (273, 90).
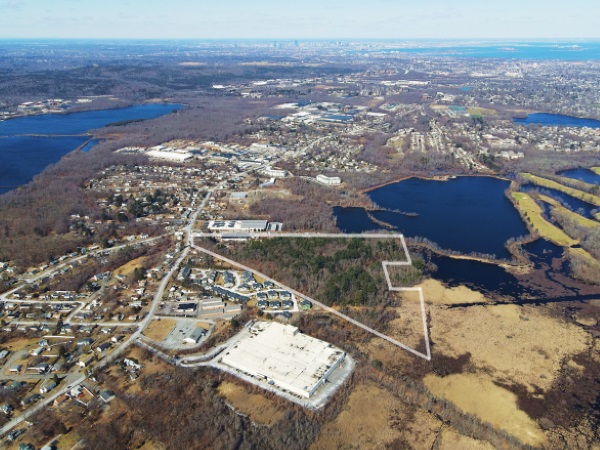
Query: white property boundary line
(385, 265)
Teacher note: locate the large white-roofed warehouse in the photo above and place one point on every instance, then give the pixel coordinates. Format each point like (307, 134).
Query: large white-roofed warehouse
(285, 358)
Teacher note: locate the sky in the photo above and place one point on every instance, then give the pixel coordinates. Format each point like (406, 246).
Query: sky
(299, 19)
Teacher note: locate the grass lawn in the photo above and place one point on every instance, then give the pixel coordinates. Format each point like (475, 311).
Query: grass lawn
(129, 267)
(532, 214)
(477, 111)
(159, 329)
(576, 193)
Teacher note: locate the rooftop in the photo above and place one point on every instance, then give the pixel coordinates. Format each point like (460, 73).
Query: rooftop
(283, 356)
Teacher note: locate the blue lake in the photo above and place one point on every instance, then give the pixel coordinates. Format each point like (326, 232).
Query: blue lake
(22, 156)
(466, 214)
(89, 145)
(557, 120)
(581, 174)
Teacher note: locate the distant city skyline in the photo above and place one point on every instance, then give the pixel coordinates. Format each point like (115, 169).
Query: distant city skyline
(271, 19)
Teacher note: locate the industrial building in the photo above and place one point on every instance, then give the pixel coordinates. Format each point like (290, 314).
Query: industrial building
(238, 229)
(330, 181)
(284, 358)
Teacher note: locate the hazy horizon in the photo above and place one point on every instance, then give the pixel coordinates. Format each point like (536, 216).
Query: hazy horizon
(310, 20)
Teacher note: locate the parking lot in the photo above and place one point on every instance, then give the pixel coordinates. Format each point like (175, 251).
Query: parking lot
(182, 329)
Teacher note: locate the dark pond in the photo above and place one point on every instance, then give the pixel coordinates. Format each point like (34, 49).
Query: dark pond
(487, 278)
(466, 214)
(581, 174)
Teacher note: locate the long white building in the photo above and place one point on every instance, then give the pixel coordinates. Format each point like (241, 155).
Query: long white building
(330, 181)
(274, 172)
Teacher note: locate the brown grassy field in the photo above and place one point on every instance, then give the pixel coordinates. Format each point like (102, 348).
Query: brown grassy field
(259, 408)
(436, 293)
(451, 440)
(512, 344)
(478, 111)
(126, 269)
(374, 419)
(20, 343)
(365, 421)
(159, 329)
(478, 395)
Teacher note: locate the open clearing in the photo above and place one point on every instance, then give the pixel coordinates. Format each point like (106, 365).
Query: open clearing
(260, 409)
(365, 421)
(126, 269)
(20, 343)
(451, 440)
(532, 214)
(436, 293)
(478, 111)
(512, 344)
(576, 193)
(478, 395)
(387, 353)
(374, 419)
(159, 329)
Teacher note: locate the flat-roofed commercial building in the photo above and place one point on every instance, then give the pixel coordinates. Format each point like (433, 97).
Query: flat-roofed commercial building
(284, 358)
(274, 172)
